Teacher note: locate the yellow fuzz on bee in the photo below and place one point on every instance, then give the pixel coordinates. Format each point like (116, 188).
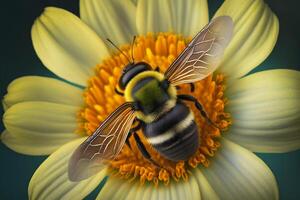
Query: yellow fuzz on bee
(101, 99)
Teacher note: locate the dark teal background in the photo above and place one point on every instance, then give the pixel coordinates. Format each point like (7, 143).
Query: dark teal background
(18, 59)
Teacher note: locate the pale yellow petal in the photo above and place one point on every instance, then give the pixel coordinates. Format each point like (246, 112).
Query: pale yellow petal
(66, 45)
(162, 192)
(36, 88)
(256, 29)
(111, 19)
(142, 191)
(50, 180)
(195, 192)
(154, 195)
(183, 189)
(43, 126)
(266, 112)
(117, 188)
(114, 188)
(182, 17)
(236, 173)
(23, 145)
(154, 16)
(109, 189)
(207, 192)
(132, 193)
(148, 192)
(189, 17)
(134, 1)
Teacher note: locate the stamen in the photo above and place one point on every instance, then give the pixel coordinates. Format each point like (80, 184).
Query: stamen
(101, 99)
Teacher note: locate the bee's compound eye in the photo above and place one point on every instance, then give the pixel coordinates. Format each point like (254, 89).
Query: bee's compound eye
(130, 71)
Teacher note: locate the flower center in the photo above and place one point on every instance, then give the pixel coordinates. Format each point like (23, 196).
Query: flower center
(101, 99)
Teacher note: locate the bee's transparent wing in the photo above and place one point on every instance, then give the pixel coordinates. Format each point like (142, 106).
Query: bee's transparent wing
(104, 144)
(203, 54)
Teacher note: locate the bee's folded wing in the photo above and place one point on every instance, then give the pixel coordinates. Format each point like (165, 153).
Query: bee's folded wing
(105, 143)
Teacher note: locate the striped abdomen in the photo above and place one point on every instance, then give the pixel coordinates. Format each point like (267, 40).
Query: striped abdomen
(174, 134)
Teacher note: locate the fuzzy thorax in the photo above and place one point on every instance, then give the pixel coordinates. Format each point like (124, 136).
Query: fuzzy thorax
(148, 93)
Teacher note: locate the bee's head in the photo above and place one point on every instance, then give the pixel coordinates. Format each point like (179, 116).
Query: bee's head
(130, 71)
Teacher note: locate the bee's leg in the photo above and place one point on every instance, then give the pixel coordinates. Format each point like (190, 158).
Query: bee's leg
(198, 106)
(157, 69)
(133, 130)
(137, 127)
(192, 85)
(143, 149)
(139, 143)
(127, 139)
(118, 92)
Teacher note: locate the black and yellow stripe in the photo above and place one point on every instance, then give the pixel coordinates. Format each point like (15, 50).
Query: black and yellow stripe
(174, 134)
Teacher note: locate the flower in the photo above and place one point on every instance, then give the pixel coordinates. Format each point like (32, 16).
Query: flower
(48, 116)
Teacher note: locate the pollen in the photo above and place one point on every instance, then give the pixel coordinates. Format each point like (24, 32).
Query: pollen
(101, 99)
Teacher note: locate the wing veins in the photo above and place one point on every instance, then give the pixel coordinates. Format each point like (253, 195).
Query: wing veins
(203, 53)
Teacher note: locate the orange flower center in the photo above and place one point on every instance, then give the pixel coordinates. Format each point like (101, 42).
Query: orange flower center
(101, 99)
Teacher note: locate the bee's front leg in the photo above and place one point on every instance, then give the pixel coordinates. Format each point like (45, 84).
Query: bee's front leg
(133, 130)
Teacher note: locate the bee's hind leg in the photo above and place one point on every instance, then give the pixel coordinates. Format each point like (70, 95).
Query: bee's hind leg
(143, 149)
(198, 106)
(139, 143)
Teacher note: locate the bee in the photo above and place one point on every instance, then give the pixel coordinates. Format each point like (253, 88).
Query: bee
(152, 100)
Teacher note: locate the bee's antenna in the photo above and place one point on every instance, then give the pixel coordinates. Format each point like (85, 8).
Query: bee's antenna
(119, 50)
(132, 46)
